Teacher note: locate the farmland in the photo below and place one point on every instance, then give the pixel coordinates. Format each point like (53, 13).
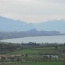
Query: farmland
(32, 54)
(31, 63)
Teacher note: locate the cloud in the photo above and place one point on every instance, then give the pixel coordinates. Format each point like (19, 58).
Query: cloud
(54, 1)
(32, 10)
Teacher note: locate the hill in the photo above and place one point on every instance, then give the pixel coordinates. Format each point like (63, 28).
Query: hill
(30, 33)
(10, 25)
(52, 25)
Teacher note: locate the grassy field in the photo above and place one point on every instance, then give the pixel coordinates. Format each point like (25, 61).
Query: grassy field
(31, 63)
(46, 50)
(30, 60)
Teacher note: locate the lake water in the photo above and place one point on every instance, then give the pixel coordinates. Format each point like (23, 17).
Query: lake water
(38, 39)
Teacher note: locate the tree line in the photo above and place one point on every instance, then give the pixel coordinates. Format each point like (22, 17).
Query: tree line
(10, 47)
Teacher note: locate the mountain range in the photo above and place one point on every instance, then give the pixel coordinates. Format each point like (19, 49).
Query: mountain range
(10, 25)
(10, 28)
(30, 33)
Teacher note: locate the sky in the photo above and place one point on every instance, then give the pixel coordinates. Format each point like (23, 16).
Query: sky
(33, 10)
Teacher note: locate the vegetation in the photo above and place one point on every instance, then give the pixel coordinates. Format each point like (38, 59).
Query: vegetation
(32, 54)
(31, 63)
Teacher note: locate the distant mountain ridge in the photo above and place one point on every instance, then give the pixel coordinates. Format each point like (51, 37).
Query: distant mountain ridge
(30, 33)
(10, 28)
(52, 25)
(10, 25)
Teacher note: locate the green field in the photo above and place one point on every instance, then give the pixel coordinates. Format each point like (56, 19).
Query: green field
(31, 63)
(36, 56)
(46, 50)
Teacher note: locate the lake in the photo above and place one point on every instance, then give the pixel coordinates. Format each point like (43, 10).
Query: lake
(38, 39)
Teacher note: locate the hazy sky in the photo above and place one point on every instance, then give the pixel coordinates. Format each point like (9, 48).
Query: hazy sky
(33, 10)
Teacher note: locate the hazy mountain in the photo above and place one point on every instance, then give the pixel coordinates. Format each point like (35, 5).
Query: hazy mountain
(53, 25)
(10, 25)
(30, 33)
(16, 29)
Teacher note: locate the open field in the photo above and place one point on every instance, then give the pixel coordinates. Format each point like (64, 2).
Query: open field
(31, 63)
(45, 50)
(32, 51)
(32, 54)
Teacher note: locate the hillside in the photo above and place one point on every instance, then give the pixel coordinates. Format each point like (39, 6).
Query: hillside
(52, 25)
(30, 33)
(10, 25)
